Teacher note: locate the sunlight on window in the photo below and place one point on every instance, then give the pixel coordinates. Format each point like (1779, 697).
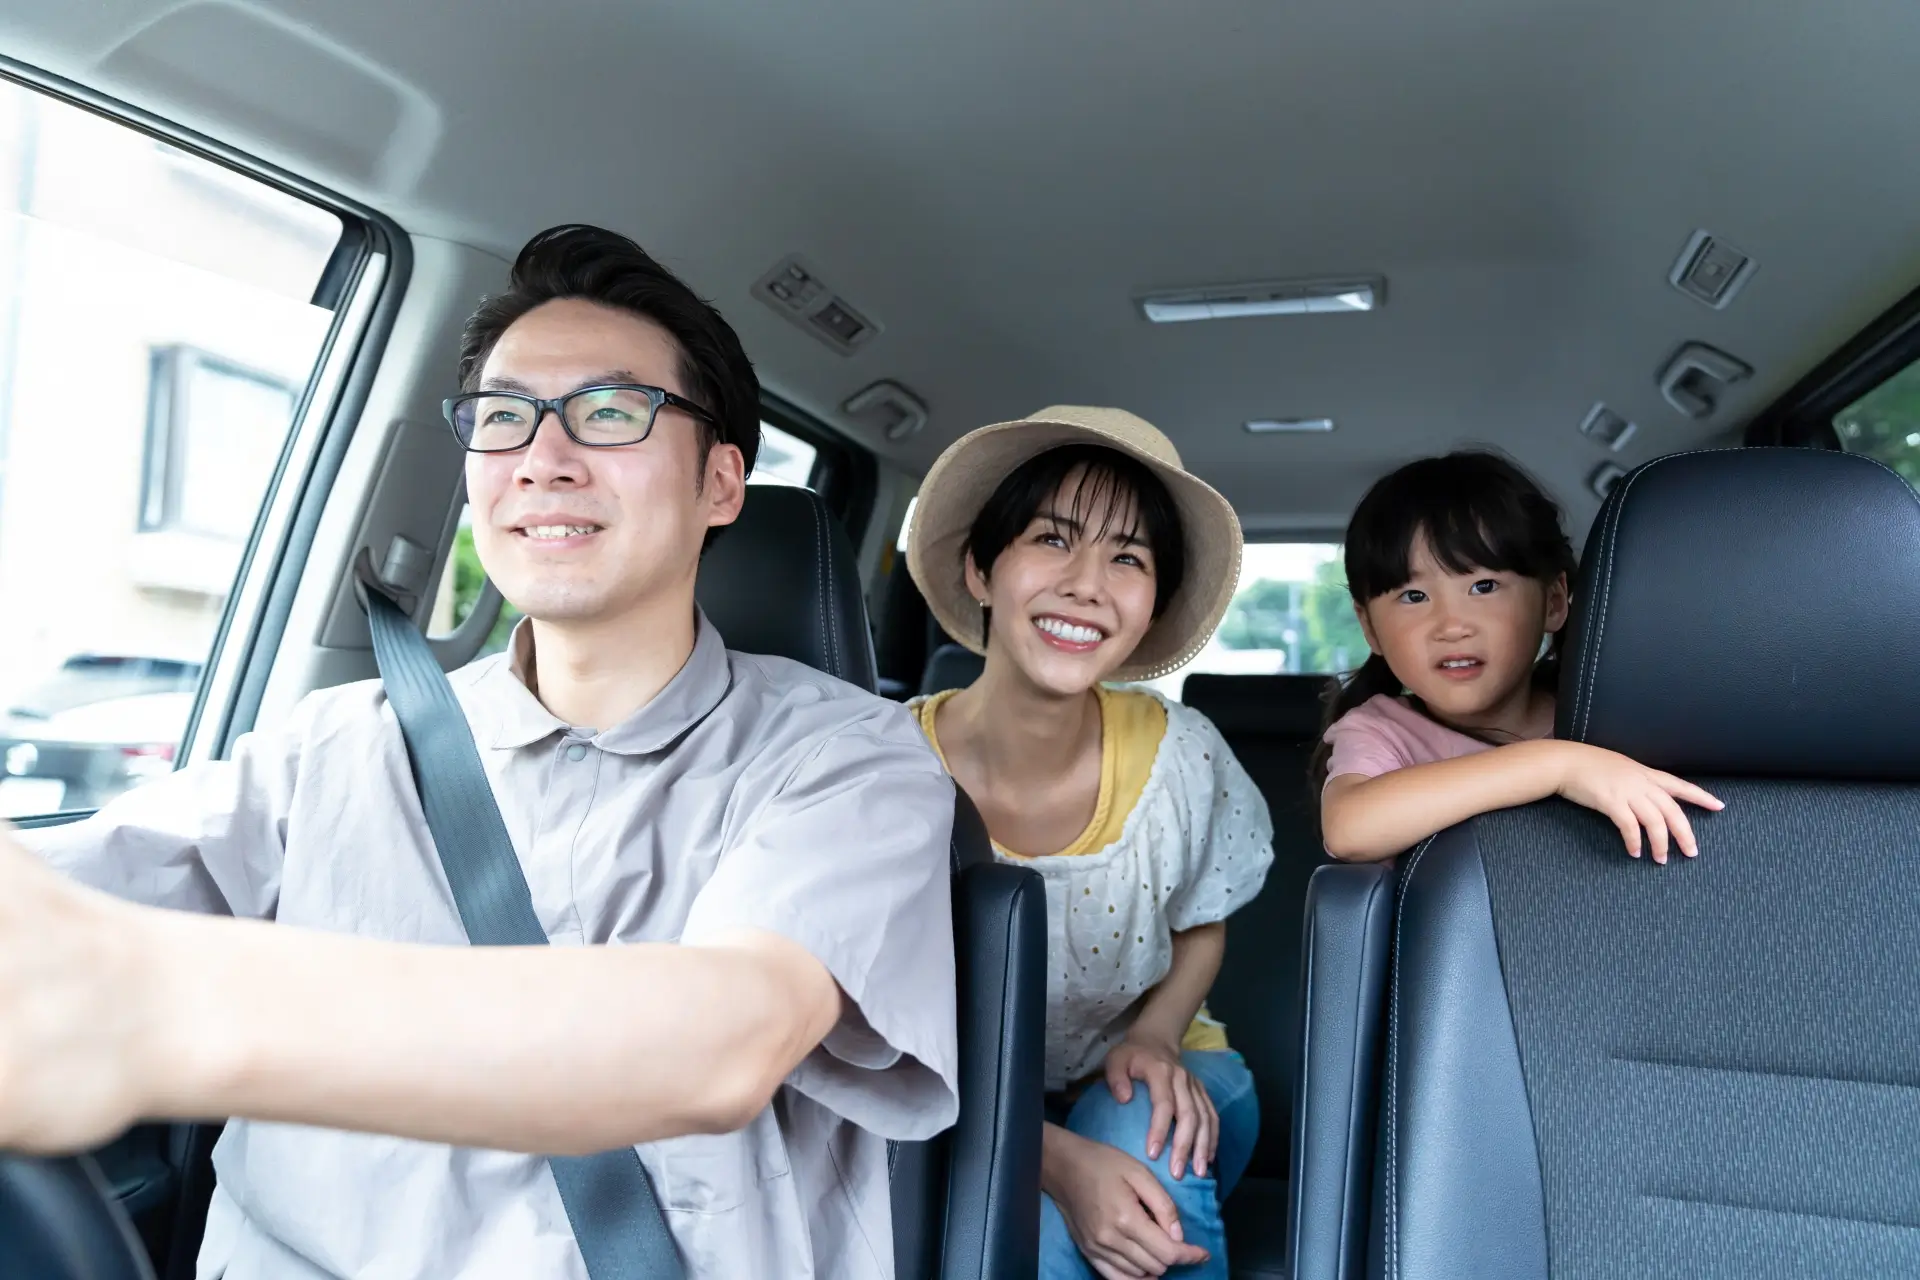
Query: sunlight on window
(784, 459)
(1291, 614)
(156, 331)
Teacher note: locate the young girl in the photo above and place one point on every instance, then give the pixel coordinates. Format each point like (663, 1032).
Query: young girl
(1071, 549)
(1458, 570)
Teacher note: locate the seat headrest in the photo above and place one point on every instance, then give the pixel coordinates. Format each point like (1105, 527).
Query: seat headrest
(1751, 612)
(782, 580)
(952, 666)
(1282, 706)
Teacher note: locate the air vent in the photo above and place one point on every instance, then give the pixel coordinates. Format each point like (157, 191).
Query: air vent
(796, 291)
(1605, 427)
(1711, 270)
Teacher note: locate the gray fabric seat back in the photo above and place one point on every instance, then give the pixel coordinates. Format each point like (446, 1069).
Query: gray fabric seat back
(1600, 1067)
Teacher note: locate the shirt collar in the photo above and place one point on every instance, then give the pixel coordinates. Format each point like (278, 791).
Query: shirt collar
(520, 720)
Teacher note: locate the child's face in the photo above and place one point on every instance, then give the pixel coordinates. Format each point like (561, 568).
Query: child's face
(1070, 601)
(1465, 643)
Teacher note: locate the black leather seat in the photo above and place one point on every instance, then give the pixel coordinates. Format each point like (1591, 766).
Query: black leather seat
(783, 580)
(1272, 724)
(1600, 1067)
(951, 666)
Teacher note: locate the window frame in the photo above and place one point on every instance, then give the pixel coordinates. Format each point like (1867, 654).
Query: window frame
(1803, 416)
(363, 285)
(845, 475)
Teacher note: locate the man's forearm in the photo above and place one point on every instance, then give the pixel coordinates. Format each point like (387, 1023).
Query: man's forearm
(544, 1049)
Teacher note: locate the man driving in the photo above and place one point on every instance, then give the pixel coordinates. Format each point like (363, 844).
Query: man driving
(768, 846)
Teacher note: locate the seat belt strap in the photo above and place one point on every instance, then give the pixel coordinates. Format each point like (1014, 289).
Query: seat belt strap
(609, 1200)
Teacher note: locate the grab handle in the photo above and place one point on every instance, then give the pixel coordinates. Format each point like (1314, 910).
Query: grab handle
(1689, 380)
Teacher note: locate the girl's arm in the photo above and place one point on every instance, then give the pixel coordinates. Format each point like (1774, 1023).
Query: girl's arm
(1366, 819)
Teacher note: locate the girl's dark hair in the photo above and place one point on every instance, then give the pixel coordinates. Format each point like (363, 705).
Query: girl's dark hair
(1109, 480)
(596, 265)
(1476, 511)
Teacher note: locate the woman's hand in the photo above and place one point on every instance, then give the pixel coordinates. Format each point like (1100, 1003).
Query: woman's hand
(1178, 1100)
(1122, 1219)
(1634, 797)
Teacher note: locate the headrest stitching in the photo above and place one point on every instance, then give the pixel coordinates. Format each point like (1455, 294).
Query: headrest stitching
(825, 534)
(820, 579)
(1590, 660)
(1393, 1068)
(1912, 493)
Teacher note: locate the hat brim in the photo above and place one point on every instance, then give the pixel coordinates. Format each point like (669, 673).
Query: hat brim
(966, 475)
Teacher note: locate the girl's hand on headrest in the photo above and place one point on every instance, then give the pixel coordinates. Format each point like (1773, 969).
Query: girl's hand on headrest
(1635, 797)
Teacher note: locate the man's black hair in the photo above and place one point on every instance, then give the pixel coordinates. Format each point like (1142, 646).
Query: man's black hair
(596, 265)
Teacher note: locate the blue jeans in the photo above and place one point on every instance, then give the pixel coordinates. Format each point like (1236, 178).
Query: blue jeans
(1098, 1116)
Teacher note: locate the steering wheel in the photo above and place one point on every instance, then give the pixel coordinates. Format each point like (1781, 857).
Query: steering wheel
(60, 1222)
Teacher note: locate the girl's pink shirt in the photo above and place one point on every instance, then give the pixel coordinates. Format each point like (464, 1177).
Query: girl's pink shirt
(1383, 734)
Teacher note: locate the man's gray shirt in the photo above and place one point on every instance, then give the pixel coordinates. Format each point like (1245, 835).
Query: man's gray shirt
(752, 793)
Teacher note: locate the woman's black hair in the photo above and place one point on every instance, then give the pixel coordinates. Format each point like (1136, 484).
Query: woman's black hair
(1110, 482)
(1475, 511)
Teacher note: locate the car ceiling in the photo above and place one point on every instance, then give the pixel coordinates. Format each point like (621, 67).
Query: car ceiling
(996, 181)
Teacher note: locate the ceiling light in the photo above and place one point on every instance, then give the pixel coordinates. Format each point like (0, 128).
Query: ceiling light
(1285, 426)
(1282, 298)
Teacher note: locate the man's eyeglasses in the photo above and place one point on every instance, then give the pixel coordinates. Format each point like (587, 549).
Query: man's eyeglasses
(603, 417)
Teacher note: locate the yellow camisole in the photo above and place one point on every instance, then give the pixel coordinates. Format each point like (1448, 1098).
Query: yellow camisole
(1131, 727)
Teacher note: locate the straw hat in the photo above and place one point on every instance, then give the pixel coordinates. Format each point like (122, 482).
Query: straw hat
(966, 475)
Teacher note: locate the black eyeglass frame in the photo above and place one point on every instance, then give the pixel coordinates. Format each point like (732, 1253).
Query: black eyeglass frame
(657, 398)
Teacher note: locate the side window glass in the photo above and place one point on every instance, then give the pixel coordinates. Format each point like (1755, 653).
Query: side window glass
(460, 589)
(1885, 423)
(156, 334)
(784, 459)
(1291, 613)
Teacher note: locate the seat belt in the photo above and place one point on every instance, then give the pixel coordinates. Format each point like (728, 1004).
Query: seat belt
(616, 1219)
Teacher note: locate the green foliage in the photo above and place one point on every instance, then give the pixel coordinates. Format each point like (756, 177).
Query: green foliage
(1885, 424)
(1259, 616)
(1333, 640)
(1319, 614)
(468, 581)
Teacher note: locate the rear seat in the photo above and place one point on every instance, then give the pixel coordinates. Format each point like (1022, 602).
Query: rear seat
(1272, 723)
(952, 666)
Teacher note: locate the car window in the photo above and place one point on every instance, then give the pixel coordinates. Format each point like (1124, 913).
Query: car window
(784, 459)
(1885, 423)
(91, 678)
(1291, 613)
(156, 335)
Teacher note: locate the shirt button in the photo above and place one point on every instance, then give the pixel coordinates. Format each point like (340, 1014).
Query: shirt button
(578, 751)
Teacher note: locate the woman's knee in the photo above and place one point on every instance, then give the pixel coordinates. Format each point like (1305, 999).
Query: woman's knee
(1104, 1118)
